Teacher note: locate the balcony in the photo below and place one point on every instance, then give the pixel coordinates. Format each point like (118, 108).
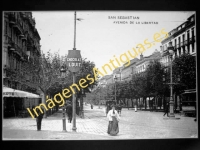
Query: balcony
(11, 44)
(19, 29)
(185, 42)
(192, 39)
(12, 19)
(23, 14)
(178, 45)
(182, 44)
(15, 23)
(24, 37)
(18, 51)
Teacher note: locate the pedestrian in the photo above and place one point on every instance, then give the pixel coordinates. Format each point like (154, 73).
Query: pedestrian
(166, 109)
(91, 106)
(135, 108)
(121, 105)
(113, 116)
(69, 111)
(107, 108)
(39, 120)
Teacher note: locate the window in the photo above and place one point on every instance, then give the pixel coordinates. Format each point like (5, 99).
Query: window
(5, 56)
(175, 43)
(192, 47)
(192, 32)
(6, 27)
(188, 35)
(183, 37)
(188, 49)
(15, 63)
(11, 34)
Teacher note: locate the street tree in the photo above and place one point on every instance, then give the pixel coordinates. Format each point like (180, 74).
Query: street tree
(184, 67)
(48, 73)
(155, 85)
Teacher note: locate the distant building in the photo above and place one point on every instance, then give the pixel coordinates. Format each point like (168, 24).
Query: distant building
(128, 71)
(143, 63)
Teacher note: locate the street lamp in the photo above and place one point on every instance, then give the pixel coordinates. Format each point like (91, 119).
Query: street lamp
(81, 103)
(171, 102)
(63, 75)
(115, 79)
(100, 84)
(171, 52)
(99, 95)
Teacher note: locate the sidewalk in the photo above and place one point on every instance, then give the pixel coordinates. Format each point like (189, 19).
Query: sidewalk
(132, 125)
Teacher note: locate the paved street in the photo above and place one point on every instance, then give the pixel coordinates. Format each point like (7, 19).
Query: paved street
(132, 125)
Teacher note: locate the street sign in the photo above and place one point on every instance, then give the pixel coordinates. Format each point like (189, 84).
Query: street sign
(74, 60)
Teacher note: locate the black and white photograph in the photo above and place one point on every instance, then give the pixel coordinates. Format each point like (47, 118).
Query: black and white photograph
(99, 75)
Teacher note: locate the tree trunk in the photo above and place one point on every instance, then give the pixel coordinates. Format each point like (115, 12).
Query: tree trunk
(164, 102)
(44, 102)
(131, 102)
(81, 107)
(151, 103)
(145, 103)
(124, 101)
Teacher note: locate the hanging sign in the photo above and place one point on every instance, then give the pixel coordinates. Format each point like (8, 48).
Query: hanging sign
(74, 60)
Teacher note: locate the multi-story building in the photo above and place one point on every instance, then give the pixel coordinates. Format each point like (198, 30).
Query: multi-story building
(128, 71)
(117, 74)
(143, 63)
(183, 40)
(21, 52)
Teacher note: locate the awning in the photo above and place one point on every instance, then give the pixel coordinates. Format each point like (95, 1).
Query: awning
(9, 92)
(189, 91)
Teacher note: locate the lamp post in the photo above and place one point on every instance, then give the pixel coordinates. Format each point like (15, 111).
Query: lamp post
(171, 52)
(81, 103)
(99, 95)
(171, 102)
(115, 79)
(74, 62)
(63, 74)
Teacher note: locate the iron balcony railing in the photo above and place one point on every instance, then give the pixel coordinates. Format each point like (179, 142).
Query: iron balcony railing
(185, 42)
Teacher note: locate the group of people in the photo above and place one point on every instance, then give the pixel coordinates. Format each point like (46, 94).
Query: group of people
(40, 116)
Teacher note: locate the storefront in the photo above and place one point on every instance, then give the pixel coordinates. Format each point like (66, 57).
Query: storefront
(16, 101)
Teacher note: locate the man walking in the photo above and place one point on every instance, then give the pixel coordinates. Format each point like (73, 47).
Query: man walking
(69, 112)
(166, 109)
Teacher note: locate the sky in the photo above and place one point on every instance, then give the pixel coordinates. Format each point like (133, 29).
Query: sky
(100, 36)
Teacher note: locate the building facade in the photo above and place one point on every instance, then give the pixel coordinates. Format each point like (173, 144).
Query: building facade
(128, 71)
(143, 63)
(183, 40)
(21, 51)
(20, 59)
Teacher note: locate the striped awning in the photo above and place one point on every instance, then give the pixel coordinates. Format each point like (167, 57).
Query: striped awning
(9, 92)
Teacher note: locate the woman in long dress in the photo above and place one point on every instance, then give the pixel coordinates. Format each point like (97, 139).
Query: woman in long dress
(113, 116)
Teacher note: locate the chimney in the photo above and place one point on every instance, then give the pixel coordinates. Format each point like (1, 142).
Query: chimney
(161, 48)
(141, 56)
